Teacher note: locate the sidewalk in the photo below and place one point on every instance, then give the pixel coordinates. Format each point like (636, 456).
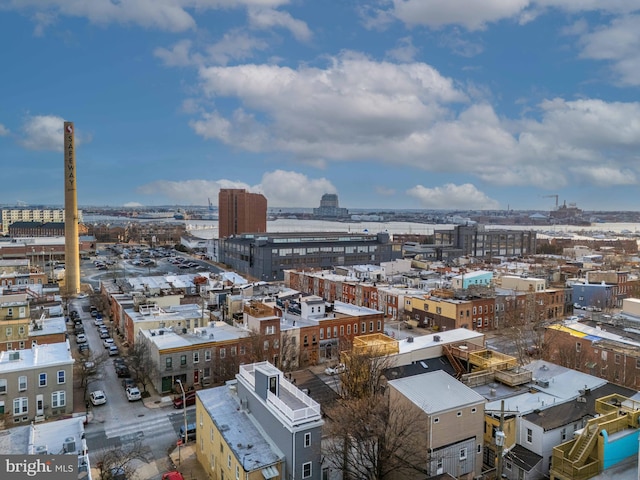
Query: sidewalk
(185, 461)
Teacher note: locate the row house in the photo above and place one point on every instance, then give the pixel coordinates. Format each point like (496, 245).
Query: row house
(608, 352)
(147, 317)
(261, 426)
(36, 383)
(199, 358)
(15, 318)
(446, 313)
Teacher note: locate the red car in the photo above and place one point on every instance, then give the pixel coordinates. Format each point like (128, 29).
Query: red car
(172, 476)
(190, 398)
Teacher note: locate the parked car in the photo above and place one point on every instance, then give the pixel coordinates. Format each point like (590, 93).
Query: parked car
(98, 397)
(81, 338)
(172, 476)
(122, 370)
(89, 366)
(128, 382)
(133, 394)
(107, 342)
(104, 335)
(113, 350)
(83, 347)
(98, 321)
(191, 432)
(190, 399)
(337, 370)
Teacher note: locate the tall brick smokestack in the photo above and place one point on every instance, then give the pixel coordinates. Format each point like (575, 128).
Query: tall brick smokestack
(71, 240)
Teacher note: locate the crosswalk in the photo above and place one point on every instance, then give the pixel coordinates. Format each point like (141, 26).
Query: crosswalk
(150, 427)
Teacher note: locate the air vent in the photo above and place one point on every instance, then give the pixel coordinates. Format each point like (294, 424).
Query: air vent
(41, 450)
(69, 445)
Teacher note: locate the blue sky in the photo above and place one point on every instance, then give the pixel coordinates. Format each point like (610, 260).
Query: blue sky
(434, 104)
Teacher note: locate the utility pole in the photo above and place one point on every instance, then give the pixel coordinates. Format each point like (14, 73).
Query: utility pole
(500, 437)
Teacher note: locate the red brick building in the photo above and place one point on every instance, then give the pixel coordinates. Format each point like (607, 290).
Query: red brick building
(241, 212)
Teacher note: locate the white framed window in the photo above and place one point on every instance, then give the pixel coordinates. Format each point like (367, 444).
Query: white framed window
(234, 351)
(266, 344)
(196, 357)
(42, 380)
(243, 349)
(21, 330)
(22, 383)
(223, 352)
(207, 355)
(61, 376)
(237, 472)
(1, 407)
(3, 386)
(270, 330)
(9, 331)
(463, 453)
(228, 460)
(306, 470)
(307, 440)
(529, 435)
(58, 399)
(20, 405)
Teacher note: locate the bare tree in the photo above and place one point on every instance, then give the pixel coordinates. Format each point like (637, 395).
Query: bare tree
(364, 371)
(88, 370)
(289, 352)
(141, 363)
(370, 440)
(118, 462)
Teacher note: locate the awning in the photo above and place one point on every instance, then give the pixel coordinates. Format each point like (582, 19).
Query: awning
(270, 472)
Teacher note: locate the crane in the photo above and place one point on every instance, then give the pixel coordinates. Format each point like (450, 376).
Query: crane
(552, 196)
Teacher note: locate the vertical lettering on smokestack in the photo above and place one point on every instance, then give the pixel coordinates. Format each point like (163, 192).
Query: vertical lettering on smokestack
(71, 239)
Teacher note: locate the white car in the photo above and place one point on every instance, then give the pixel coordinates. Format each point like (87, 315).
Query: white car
(133, 394)
(107, 342)
(337, 370)
(113, 350)
(81, 338)
(98, 397)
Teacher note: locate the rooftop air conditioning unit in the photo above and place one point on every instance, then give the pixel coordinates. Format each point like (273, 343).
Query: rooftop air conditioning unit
(41, 450)
(543, 383)
(14, 355)
(69, 445)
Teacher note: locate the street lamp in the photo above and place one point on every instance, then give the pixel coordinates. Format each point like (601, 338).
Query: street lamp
(184, 411)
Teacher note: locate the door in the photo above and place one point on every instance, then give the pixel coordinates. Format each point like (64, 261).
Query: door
(196, 376)
(39, 405)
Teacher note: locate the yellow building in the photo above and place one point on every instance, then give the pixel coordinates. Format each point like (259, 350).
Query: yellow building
(14, 321)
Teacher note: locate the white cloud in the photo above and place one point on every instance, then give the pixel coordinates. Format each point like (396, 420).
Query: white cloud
(470, 14)
(285, 188)
(451, 196)
(404, 52)
(4, 131)
(43, 132)
(234, 45)
(606, 176)
(617, 43)
(268, 18)
(169, 15)
(281, 188)
(408, 114)
(179, 55)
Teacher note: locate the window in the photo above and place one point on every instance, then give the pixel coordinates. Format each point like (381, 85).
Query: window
(2, 407)
(223, 352)
(270, 330)
(306, 470)
(529, 435)
(21, 330)
(207, 355)
(22, 383)
(307, 440)
(3, 385)
(20, 405)
(328, 332)
(61, 376)
(479, 322)
(563, 434)
(234, 351)
(243, 349)
(229, 460)
(617, 358)
(265, 345)
(9, 331)
(322, 334)
(474, 310)
(342, 330)
(306, 340)
(58, 399)
(379, 325)
(578, 347)
(42, 380)
(237, 472)
(355, 328)
(196, 357)
(168, 363)
(474, 410)
(364, 328)
(463, 454)
(183, 360)
(349, 333)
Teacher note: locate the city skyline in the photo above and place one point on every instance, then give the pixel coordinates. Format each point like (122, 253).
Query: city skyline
(399, 104)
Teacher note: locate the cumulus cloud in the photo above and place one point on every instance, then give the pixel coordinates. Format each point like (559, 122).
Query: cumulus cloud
(451, 196)
(268, 18)
(179, 55)
(405, 51)
(234, 45)
(281, 188)
(4, 131)
(617, 43)
(169, 15)
(44, 132)
(408, 114)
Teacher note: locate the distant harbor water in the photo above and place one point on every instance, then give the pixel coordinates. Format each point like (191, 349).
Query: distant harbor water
(209, 228)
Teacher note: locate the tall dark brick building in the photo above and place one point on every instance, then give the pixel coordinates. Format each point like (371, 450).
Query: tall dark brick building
(241, 212)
